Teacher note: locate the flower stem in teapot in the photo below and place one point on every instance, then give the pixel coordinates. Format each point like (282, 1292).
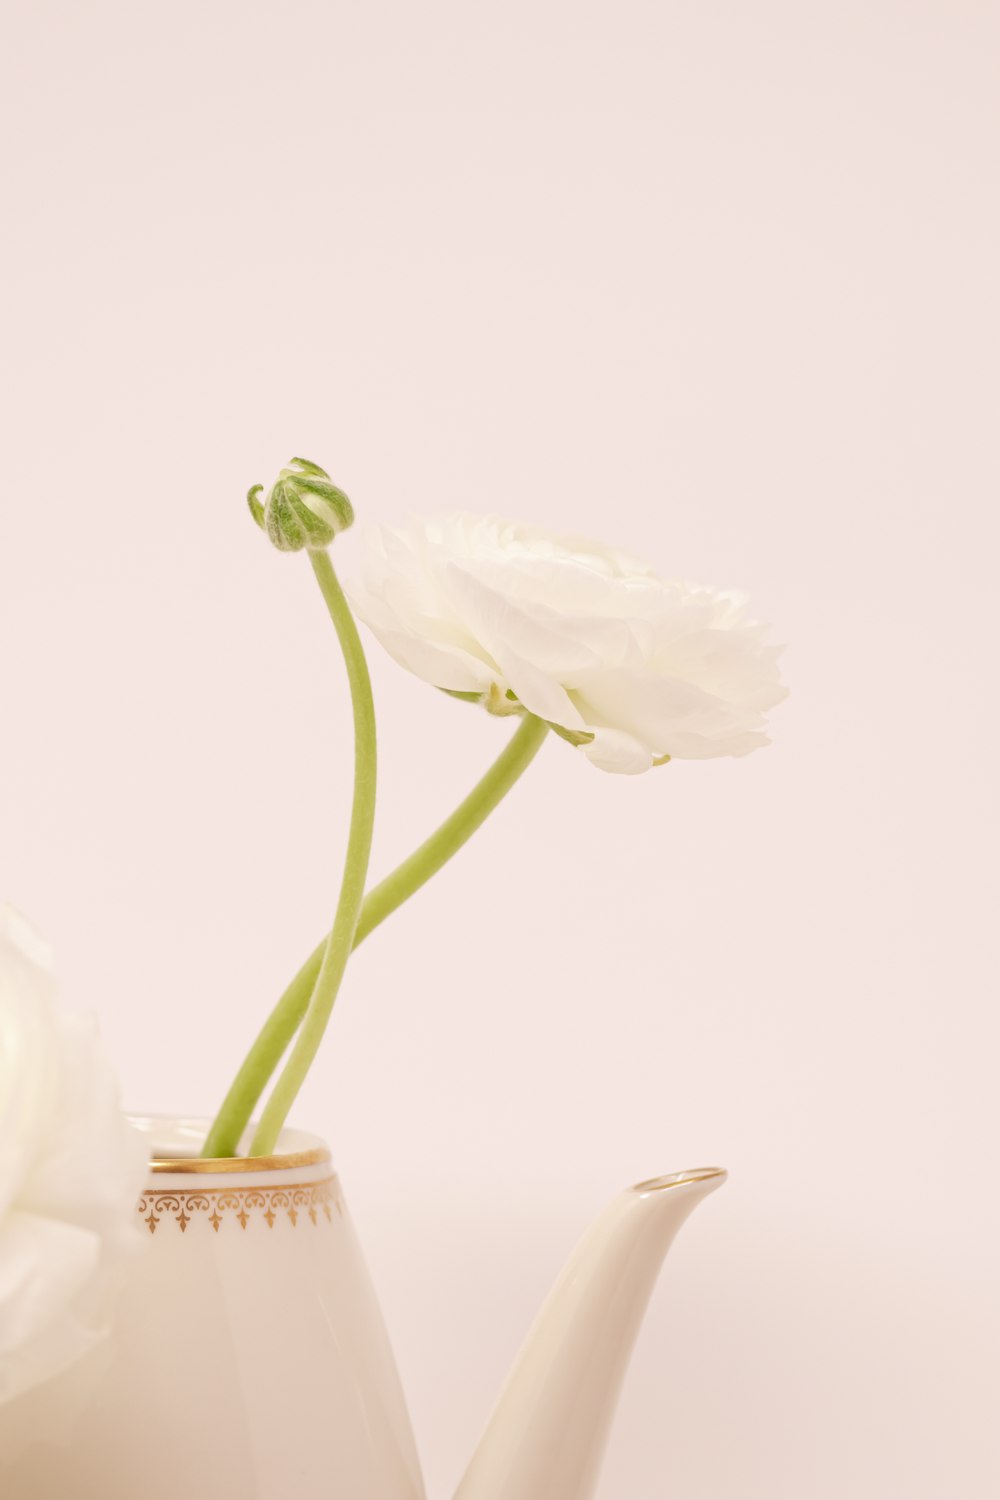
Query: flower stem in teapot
(380, 902)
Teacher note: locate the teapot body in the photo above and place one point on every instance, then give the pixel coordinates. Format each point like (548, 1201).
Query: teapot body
(248, 1355)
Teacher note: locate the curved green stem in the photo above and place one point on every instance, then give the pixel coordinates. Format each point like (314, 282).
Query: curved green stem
(352, 891)
(456, 830)
(381, 902)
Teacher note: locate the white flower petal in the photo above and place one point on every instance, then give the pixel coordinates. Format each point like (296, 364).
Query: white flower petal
(71, 1171)
(613, 750)
(441, 666)
(668, 715)
(541, 694)
(44, 1264)
(584, 636)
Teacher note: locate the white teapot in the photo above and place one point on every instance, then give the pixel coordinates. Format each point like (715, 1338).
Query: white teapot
(249, 1360)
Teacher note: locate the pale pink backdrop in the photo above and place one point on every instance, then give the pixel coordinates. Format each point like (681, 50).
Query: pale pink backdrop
(717, 282)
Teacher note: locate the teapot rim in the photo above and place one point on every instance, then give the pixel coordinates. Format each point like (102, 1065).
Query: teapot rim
(175, 1143)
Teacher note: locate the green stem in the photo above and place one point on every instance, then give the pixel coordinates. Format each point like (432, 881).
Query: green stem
(456, 830)
(397, 887)
(352, 891)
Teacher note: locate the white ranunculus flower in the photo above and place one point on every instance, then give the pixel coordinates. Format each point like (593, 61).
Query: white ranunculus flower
(630, 666)
(71, 1171)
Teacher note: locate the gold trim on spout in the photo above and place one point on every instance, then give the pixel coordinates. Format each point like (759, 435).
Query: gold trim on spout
(679, 1179)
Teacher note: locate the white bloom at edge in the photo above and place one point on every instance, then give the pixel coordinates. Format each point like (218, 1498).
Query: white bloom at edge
(630, 666)
(71, 1172)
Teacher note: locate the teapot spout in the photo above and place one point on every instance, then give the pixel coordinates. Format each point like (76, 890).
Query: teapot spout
(546, 1437)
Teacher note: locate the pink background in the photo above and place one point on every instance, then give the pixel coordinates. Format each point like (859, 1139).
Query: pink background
(716, 282)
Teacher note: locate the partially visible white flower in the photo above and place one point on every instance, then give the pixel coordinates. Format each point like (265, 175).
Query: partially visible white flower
(631, 667)
(71, 1171)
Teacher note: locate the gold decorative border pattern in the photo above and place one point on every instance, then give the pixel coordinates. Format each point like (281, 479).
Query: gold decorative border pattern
(293, 1201)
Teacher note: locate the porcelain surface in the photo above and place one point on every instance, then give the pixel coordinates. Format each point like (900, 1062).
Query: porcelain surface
(249, 1360)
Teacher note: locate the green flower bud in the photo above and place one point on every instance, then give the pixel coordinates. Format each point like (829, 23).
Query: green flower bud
(302, 509)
